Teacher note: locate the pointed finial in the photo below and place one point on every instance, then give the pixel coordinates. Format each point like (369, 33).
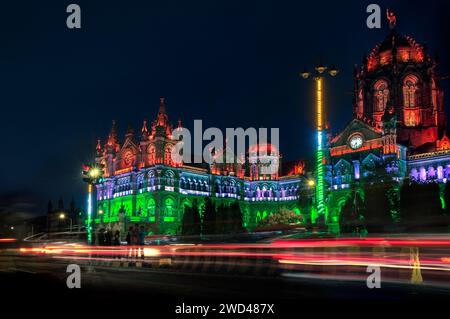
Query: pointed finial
(98, 147)
(144, 127)
(113, 128)
(179, 123)
(162, 105)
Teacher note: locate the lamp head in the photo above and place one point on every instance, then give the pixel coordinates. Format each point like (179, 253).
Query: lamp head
(333, 71)
(305, 74)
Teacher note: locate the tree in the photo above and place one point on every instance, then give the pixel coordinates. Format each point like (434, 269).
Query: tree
(227, 220)
(235, 218)
(191, 224)
(378, 208)
(406, 200)
(347, 218)
(305, 196)
(221, 219)
(209, 217)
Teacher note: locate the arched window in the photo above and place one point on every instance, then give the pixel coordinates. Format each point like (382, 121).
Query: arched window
(140, 181)
(410, 91)
(151, 155)
(381, 95)
(151, 178)
(182, 183)
(169, 178)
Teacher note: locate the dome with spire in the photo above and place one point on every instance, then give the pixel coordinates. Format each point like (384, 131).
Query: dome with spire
(161, 125)
(399, 80)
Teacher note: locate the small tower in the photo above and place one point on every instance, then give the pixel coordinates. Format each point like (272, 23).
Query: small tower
(144, 131)
(143, 146)
(389, 120)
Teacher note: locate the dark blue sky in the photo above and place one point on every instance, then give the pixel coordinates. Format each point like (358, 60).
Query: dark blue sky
(230, 63)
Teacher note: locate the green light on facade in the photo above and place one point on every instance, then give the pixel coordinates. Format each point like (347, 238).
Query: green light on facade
(313, 215)
(320, 196)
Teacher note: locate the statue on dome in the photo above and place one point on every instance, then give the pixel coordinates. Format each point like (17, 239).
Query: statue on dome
(391, 18)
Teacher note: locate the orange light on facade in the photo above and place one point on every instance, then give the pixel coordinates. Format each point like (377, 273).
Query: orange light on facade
(319, 102)
(345, 149)
(122, 171)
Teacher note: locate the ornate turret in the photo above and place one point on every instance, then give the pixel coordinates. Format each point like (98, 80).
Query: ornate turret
(398, 73)
(161, 126)
(391, 18)
(130, 132)
(98, 149)
(144, 131)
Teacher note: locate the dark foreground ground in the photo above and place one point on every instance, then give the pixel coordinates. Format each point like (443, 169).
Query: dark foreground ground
(39, 286)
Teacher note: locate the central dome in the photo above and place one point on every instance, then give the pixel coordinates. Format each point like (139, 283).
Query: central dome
(395, 40)
(395, 48)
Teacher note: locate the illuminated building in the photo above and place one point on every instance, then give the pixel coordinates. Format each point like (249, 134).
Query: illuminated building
(142, 185)
(398, 129)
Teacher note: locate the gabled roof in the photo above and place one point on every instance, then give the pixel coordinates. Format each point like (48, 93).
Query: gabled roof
(129, 143)
(356, 126)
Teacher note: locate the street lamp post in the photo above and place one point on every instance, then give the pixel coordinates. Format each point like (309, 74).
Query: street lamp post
(63, 216)
(92, 174)
(100, 213)
(318, 77)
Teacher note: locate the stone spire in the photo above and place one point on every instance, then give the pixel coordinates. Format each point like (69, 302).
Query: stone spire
(144, 130)
(391, 18)
(130, 132)
(130, 129)
(162, 117)
(61, 204)
(162, 106)
(161, 125)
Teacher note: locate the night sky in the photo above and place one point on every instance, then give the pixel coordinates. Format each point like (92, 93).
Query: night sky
(228, 63)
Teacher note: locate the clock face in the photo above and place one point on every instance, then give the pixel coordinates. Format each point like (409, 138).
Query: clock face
(356, 142)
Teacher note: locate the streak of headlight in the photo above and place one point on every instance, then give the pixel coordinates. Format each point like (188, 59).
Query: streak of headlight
(7, 240)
